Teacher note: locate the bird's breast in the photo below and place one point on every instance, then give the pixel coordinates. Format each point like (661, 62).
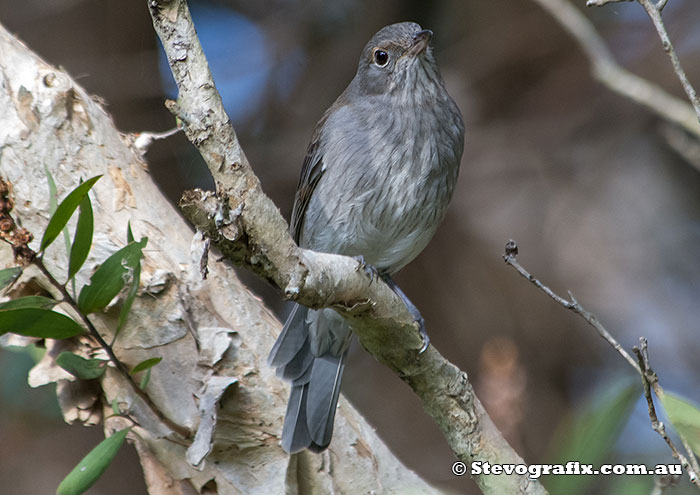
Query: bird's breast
(387, 184)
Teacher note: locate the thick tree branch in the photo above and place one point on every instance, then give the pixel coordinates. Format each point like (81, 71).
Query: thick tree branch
(205, 332)
(247, 227)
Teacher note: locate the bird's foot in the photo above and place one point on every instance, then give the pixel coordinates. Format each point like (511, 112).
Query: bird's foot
(422, 331)
(369, 270)
(417, 317)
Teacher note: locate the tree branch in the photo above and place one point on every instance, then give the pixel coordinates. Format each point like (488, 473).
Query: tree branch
(653, 10)
(247, 227)
(650, 380)
(606, 70)
(204, 331)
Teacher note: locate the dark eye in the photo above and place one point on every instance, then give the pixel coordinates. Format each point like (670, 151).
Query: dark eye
(381, 58)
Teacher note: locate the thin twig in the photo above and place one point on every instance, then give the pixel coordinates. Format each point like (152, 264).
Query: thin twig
(573, 305)
(600, 3)
(654, 12)
(651, 381)
(606, 69)
(121, 368)
(691, 455)
(143, 140)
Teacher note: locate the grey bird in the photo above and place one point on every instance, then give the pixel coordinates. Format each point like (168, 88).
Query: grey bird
(375, 184)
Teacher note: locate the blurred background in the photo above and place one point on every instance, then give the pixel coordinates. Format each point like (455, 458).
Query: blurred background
(584, 180)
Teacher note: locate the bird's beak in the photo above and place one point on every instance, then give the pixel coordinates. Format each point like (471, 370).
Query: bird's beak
(421, 40)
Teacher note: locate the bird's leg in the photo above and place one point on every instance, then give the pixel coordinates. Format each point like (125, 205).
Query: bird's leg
(417, 317)
(369, 270)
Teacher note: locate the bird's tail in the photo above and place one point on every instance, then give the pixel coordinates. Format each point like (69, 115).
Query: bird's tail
(315, 374)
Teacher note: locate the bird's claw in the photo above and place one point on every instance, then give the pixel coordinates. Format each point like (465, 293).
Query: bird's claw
(423, 334)
(369, 270)
(417, 317)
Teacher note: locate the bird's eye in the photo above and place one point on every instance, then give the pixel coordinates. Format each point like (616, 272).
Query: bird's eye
(381, 58)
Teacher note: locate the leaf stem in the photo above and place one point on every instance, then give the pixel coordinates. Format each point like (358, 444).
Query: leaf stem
(121, 368)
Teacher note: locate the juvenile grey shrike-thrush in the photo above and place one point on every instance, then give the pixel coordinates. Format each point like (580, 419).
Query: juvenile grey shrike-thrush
(375, 184)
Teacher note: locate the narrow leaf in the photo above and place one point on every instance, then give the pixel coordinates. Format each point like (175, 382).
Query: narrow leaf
(144, 365)
(129, 301)
(41, 323)
(64, 211)
(78, 366)
(146, 378)
(89, 470)
(40, 302)
(82, 241)
(110, 277)
(133, 289)
(9, 275)
(685, 418)
(53, 204)
(129, 233)
(53, 193)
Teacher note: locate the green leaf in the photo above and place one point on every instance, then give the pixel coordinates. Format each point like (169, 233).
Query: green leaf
(9, 275)
(53, 204)
(78, 366)
(591, 434)
(35, 322)
(53, 193)
(146, 378)
(89, 470)
(129, 301)
(685, 418)
(133, 289)
(144, 365)
(40, 302)
(129, 233)
(109, 278)
(64, 211)
(82, 241)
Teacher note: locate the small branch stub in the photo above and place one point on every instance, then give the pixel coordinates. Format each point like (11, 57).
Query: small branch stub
(511, 249)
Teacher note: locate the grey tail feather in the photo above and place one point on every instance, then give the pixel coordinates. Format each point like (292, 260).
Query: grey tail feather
(295, 434)
(308, 422)
(311, 407)
(291, 340)
(323, 390)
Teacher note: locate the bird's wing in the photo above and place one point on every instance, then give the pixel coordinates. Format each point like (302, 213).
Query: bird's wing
(311, 173)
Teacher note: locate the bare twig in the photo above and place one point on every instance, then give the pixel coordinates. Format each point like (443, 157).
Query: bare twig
(143, 140)
(573, 305)
(651, 381)
(691, 456)
(654, 12)
(606, 70)
(599, 3)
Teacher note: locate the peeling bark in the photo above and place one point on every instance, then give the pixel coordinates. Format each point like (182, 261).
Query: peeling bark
(204, 331)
